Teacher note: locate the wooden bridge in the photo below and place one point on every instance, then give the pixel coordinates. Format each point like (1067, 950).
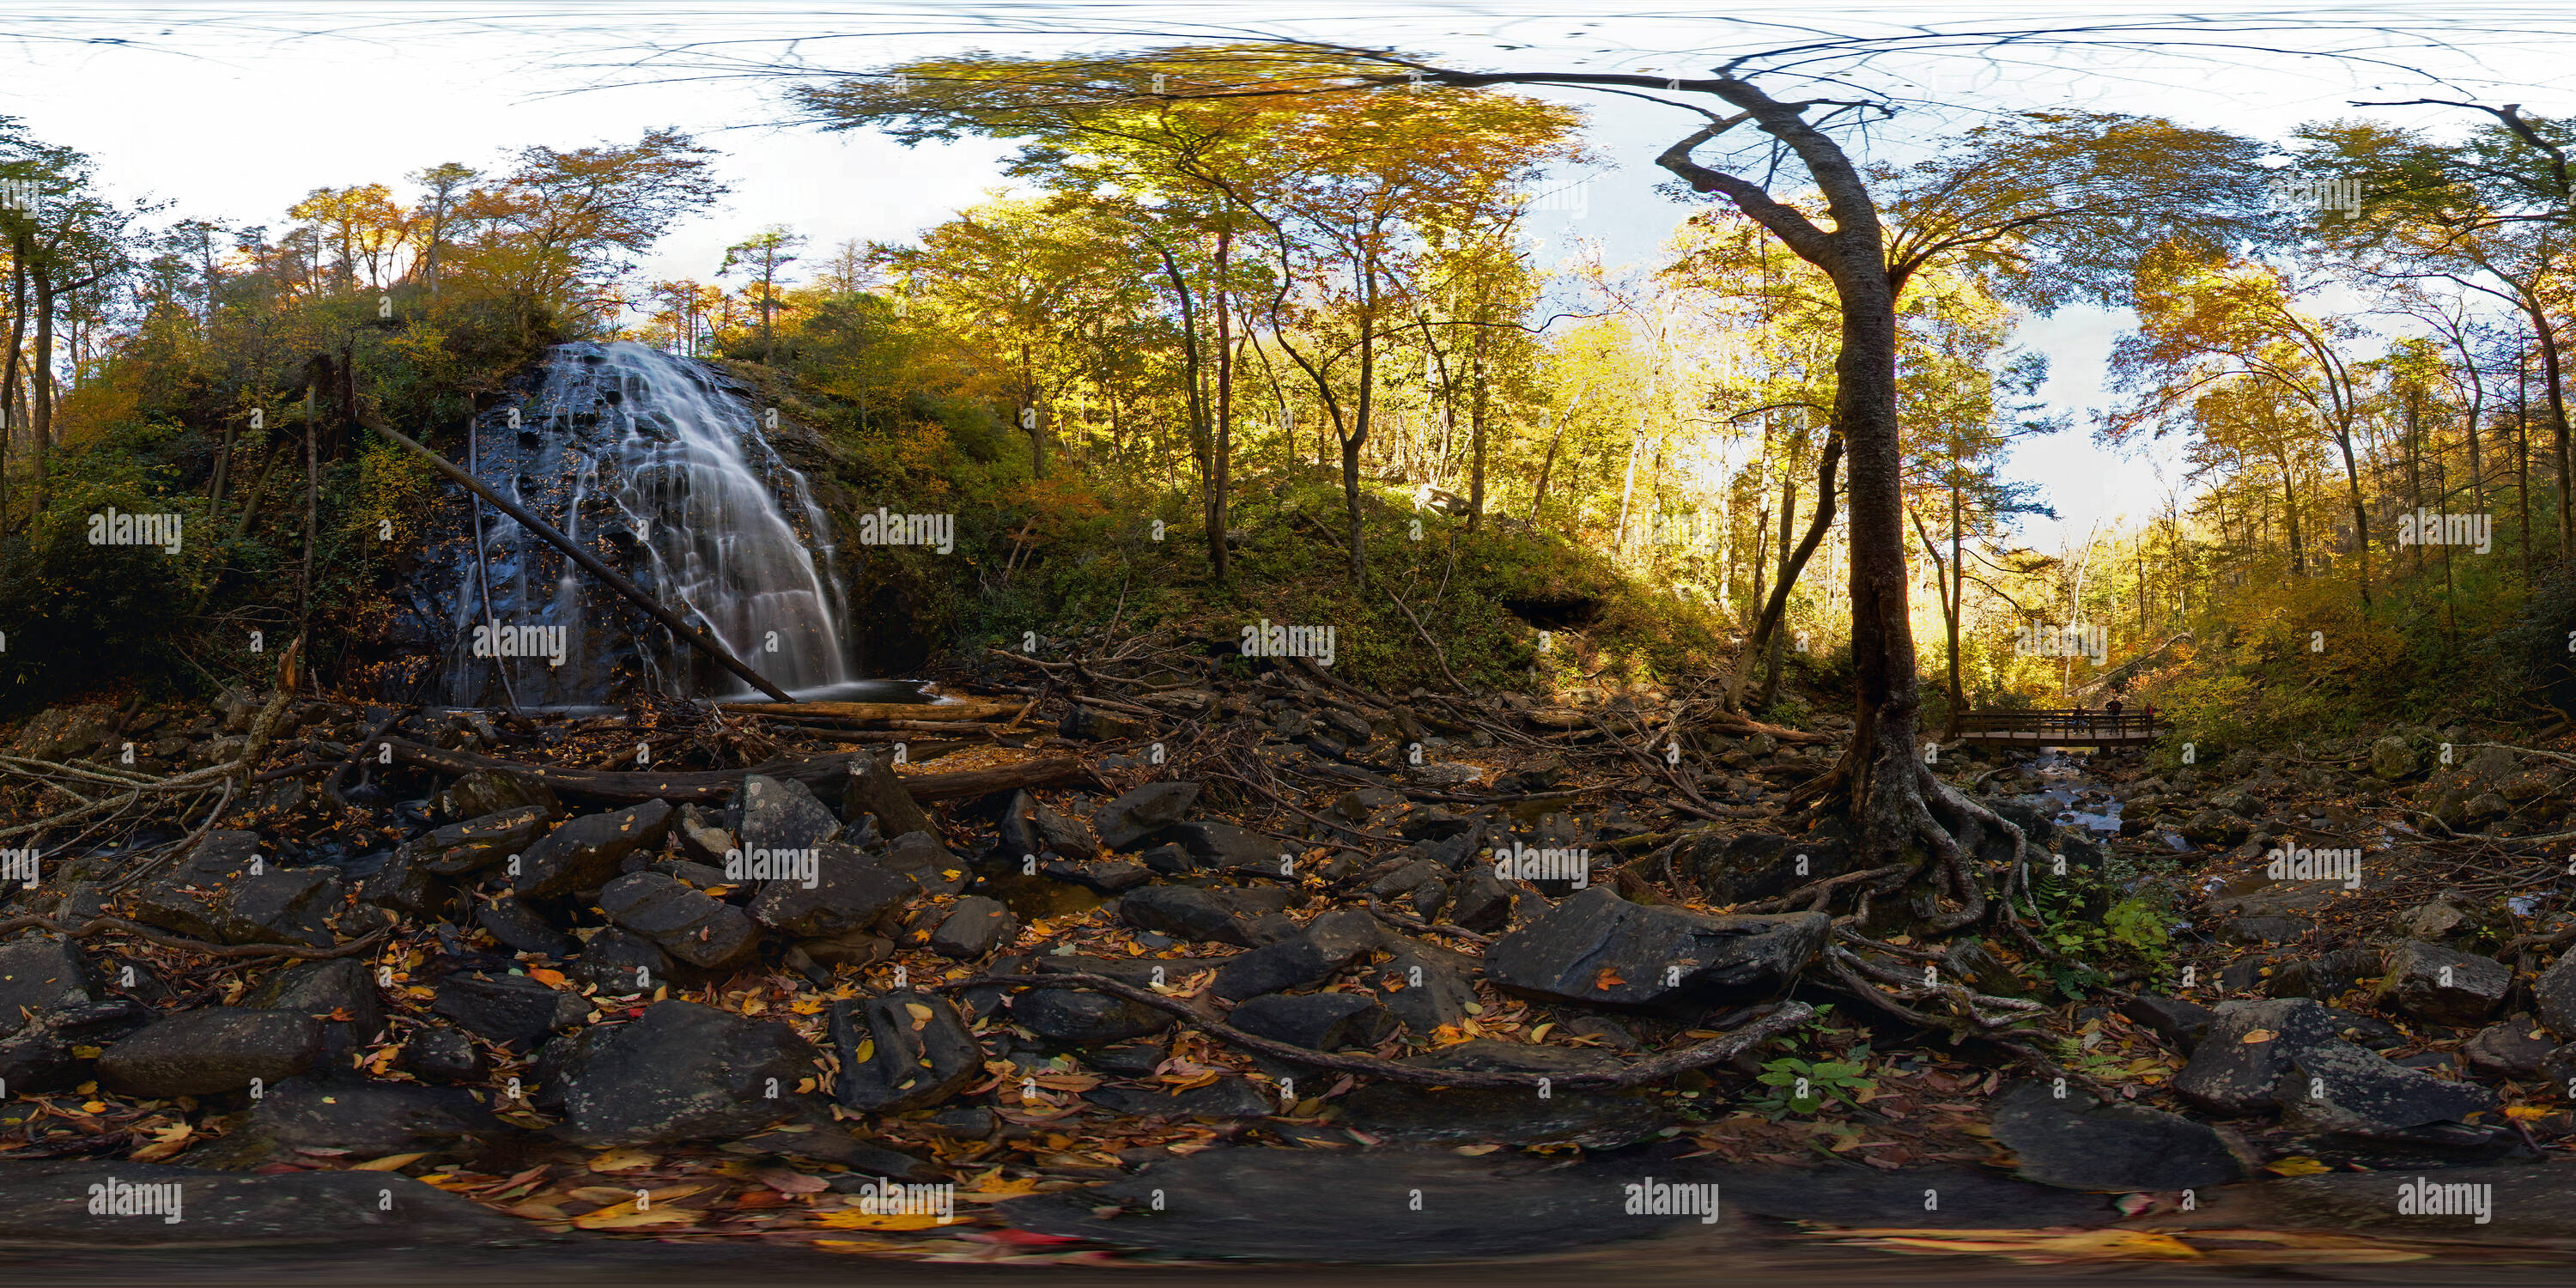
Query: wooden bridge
(2059, 728)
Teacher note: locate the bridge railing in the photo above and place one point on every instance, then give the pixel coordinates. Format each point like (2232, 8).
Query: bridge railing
(2059, 725)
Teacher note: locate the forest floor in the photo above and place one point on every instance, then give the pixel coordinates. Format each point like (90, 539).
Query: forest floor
(1157, 962)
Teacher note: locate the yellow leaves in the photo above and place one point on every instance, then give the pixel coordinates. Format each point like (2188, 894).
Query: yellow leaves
(2253, 1036)
(2295, 1165)
(93, 1106)
(1476, 1151)
(165, 1142)
(920, 1015)
(1608, 979)
(806, 1006)
(854, 1219)
(2527, 1113)
(549, 978)
(623, 1216)
(390, 1162)
(991, 1188)
(623, 1160)
(1067, 1081)
(424, 994)
(790, 1182)
(2052, 1247)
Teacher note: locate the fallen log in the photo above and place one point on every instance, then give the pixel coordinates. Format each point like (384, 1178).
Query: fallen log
(969, 709)
(826, 770)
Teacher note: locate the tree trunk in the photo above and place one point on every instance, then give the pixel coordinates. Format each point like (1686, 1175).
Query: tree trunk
(2360, 513)
(1788, 525)
(1221, 482)
(2552, 387)
(9, 381)
(1955, 608)
(40, 390)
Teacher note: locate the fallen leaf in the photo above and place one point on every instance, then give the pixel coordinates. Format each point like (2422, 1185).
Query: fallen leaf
(612, 1218)
(2295, 1165)
(1607, 979)
(790, 1182)
(854, 1219)
(2258, 1035)
(549, 978)
(1477, 1151)
(622, 1160)
(390, 1162)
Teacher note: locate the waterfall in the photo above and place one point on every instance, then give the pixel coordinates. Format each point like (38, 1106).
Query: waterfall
(661, 467)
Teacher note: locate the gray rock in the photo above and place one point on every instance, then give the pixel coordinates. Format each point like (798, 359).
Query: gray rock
(1185, 912)
(513, 1011)
(2393, 758)
(2514, 1049)
(2338, 1087)
(487, 791)
(1316, 1021)
(1600, 949)
(621, 962)
(851, 893)
(902, 1052)
(1078, 1018)
(442, 1055)
(1424, 987)
(2079, 1143)
(584, 854)
(1149, 809)
(324, 990)
(279, 906)
(46, 1054)
(924, 858)
(367, 1118)
(974, 927)
(2444, 985)
(2328, 975)
(2229, 1075)
(1318, 949)
(681, 1072)
(782, 814)
(1223, 1098)
(696, 928)
(2554, 994)
(48, 1202)
(518, 928)
(1484, 902)
(2181, 1024)
(701, 838)
(41, 973)
(1108, 876)
(2214, 827)
(1224, 847)
(477, 843)
(211, 1051)
(874, 790)
(402, 885)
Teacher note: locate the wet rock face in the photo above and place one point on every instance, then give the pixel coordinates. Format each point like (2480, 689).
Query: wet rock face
(2078, 1143)
(2249, 1047)
(1316, 1021)
(1139, 814)
(1311, 955)
(2338, 1087)
(681, 1072)
(692, 927)
(851, 892)
(39, 974)
(477, 843)
(902, 1052)
(1600, 949)
(513, 1011)
(2443, 985)
(782, 815)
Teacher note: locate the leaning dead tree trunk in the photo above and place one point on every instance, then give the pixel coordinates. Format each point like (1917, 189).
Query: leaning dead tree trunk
(679, 625)
(1777, 605)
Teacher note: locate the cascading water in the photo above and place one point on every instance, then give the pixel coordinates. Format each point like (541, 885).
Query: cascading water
(661, 467)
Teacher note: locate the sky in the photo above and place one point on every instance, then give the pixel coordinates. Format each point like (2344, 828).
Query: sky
(236, 110)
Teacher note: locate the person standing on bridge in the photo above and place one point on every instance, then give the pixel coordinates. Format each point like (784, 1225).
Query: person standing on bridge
(2113, 707)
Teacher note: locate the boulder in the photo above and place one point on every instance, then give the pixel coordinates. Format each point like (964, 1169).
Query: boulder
(2181, 1024)
(2214, 827)
(442, 1055)
(2443, 985)
(2514, 1049)
(1600, 949)
(340, 992)
(701, 838)
(1224, 847)
(693, 927)
(513, 1011)
(923, 857)
(973, 928)
(1316, 1021)
(584, 854)
(1424, 987)
(1078, 1018)
(1225, 1098)
(2250, 1045)
(782, 814)
(1483, 901)
(1107, 876)
(1186, 912)
(2554, 994)
(41, 973)
(902, 1052)
(874, 790)
(2327, 975)
(2338, 1087)
(212, 1051)
(621, 962)
(402, 885)
(1131, 818)
(48, 1053)
(184, 898)
(520, 929)
(368, 1119)
(488, 791)
(681, 1072)
(279, 906)
(2078, 1143)
(1318, 949)
(851, 892)
(477, 843)
(2393, 758)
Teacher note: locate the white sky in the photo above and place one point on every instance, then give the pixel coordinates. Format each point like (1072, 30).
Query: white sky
(236, 110)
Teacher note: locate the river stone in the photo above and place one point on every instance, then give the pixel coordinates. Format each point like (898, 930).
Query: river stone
(184, 899)
(2338, 1087)
(2327, 975)
(682, 1072)
(1860, 1197)
(874, 790)
(1354, 1206)
(1079, 1018)
(46, 1054)
(1227, 848)
(974, 927)
(489, 791)
(339, 986)
(1185, 912)
(477, 843)
(1600, 949)
(584, 854)
(400, 884)
(1318, 949)
(2079, 1143)
(2444, 985)
(851, 893)
(1316, 1021)
(1107, 876)
(621, 962)
(367, 1118)
(1149, 809)
(1424, 988)
(518, 928)
(782, 814)
(2230, 1075)
(512, 1010)
(902, 1052)
(442, 1055)
(696, 928)
(2181, 1024)
(211, 1051)
(2214, 827)
(1453, 1116)
(47, 1202)
(2392, 758)
(1227, 1097)
(41, 973)
(2554, 994)
(1484, 903)
(2513, 1049)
